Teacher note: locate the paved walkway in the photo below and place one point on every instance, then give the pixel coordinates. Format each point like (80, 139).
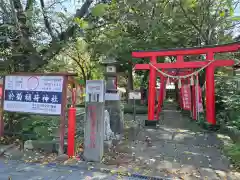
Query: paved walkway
(180, 148)
(177, 149)
(14, 170)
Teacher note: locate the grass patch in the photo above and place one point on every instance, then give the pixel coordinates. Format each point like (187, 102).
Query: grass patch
(233, 151)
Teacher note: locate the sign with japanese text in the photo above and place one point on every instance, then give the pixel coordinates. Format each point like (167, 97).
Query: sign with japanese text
(95, 91)
(33, 94)
(134, 95)
(186, 97)
(199, 99)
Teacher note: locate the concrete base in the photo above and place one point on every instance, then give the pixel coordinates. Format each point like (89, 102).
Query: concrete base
(46, 146)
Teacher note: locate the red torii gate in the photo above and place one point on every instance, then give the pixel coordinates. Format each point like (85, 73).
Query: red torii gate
(163, 87)
(180, 64)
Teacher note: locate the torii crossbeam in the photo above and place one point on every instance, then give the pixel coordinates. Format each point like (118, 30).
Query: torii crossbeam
(181, 64)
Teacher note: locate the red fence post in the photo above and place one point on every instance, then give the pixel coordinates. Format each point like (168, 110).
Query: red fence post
(71, 130)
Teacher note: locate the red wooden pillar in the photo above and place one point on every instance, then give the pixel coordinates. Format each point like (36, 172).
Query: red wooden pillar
(161, 95)
(210, 93)
(194, 113)
(191, 102)
(152, 89)
(180, 99)
(180, 59)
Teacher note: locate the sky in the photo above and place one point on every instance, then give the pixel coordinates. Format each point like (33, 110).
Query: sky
(237, 10)
(72, 5)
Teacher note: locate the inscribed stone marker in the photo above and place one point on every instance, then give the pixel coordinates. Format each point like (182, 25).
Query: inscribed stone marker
(94, 120)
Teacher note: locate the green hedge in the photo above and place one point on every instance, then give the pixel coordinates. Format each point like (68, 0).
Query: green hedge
(128, 108)
(80, 105)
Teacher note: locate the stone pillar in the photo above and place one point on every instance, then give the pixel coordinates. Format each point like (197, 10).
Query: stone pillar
(94, 120)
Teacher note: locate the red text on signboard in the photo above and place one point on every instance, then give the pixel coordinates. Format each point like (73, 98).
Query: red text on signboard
(186, 97)
(92, 113)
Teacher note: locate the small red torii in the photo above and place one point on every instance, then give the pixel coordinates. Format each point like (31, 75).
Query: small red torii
(163, 87)
(209, 51)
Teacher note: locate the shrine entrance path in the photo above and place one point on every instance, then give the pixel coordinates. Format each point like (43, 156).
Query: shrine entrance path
(180, 148)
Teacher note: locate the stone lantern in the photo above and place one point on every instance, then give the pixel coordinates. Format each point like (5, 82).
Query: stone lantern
(112, 97)
(110, 75)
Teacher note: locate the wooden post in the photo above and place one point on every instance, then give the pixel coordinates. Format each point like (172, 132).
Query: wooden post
(63, 115)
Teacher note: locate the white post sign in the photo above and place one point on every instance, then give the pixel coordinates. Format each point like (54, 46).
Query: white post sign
(95, 91)
(134, 95)
(33, 94)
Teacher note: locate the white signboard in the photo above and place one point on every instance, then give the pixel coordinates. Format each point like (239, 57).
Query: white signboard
(112, 96)
(95, 91)
(33, 94)
(134, 95)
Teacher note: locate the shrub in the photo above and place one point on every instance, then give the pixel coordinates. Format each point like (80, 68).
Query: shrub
(227, 102)
(233, 151)
(128, 108)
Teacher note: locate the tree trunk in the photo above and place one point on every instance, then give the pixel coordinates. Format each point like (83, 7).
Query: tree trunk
(32, 60)
(145, 78)
(130, 82)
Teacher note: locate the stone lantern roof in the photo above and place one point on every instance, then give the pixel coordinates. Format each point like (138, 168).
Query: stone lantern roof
(109, 61)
